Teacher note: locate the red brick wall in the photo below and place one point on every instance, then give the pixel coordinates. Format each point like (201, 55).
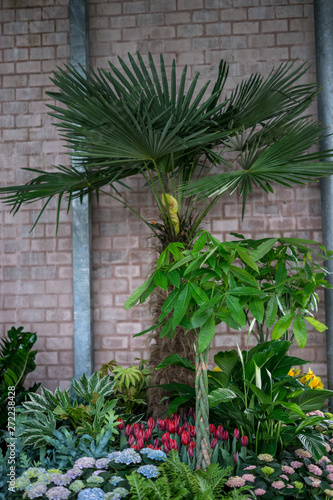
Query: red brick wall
(36, 273)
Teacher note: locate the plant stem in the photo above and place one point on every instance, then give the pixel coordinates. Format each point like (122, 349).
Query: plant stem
(203, 450)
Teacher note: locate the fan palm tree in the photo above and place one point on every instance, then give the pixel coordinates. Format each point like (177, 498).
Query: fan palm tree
(191, 146)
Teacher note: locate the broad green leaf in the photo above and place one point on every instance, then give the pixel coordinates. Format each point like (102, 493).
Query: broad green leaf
(160, 280)
(236, 310)
(285, 364)
(174, 278)
(244, 290)
(227, 361)
(312, 399)
(293, 407)
(264, 248)
(271, 311)
(198, 294)
(206, 334)
(175, 359)
(220, 395)
(163, 259)
(246, 257)
(12, 375)
(181, 305)
(169, 303)
(299, 330)
(280, 276)
(199, 244)
(314, 443)
(165, 330)
(320, 327)
(282, 325)
(181, 262)
(264, 398)
(201, 317)
(175, 403)
(132, 300)
(244, 276)
(309, 422)
(182, 389)
(256, 306)
(8, 381)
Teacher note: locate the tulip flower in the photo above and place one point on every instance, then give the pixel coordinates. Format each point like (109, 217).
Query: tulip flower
(244, 440)
(192, 430)
(151, 423)
(131, 440)
(236, 433)
(140, 444)
(173, 445)
(128, 430)
(120, 424)
(148, 434)
(161, 424)
(165, 437)
(185, 438)
(225, 435)
(212, 428)
(156, 443)
(213, 443)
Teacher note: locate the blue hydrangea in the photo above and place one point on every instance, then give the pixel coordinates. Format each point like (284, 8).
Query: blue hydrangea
(128, 456)
(154, 454)
(58, 493)
(85, 463)
(91, 494)
(115, 480)
(102, 463)
(116, 494)
(148, 471)
(74, 473)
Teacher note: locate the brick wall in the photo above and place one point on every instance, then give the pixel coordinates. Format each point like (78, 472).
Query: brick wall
(36, 273)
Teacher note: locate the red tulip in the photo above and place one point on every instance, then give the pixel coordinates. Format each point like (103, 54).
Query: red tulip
(212, 428)
(192, 430)
(213, 443)
(150, 446)
(235, 457)
(121, 424)
(134, 446)
(128, 430)
(166, 446)
(185, 438)
(180, 430)
(192, 444)
(161, 424)
(148, 434)
(191, 411)
(173, 445)
(140, 444)
(186, 426)
(151, 423)
(219, 432)
(236, 433)
(156, 443)
(172, 426)
(136, 428)
(244, 440)
(140, 434)
(190, 452)
(165, 437)
(225, 435)
(131, 439)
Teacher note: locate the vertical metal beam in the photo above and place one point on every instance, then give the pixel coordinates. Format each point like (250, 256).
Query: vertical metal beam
(81, 215)
(323, 15)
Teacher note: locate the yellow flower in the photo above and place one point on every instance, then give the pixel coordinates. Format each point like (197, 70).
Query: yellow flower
(216, 369)
(294, 372)
(316, 383)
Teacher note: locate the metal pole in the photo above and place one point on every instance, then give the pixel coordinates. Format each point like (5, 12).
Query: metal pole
(323, 15)
(81, 215)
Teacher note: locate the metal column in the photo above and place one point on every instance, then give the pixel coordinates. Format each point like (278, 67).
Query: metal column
(81, 218)
(323, 15)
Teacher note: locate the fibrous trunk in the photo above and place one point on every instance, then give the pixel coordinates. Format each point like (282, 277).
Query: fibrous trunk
(203, 450)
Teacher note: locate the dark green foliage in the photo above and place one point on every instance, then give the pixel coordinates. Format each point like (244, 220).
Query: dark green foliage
(16, 360)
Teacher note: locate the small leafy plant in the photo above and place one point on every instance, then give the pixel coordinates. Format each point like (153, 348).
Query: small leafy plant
(16, 360)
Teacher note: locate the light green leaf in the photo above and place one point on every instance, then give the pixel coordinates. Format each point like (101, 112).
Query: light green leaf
(181, 305)
(181, 262)
(148, 330)
(220, 395)
(256, 306)
(236, 310)
(264, 248)
(201, 317)
(246, 257)
(174, 278)
(199, 244)
(271, 311)
(132, 300)
(314, 322)
(206, 334)
(282, 325)
(299, 330)
(160, 280)
(226, 361)
(166, 329)
(244, 276)
(314, 443)
(163, 259)
(198, 294)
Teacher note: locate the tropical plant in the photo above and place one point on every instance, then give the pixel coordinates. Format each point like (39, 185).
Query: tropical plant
(16, 360)
(254, 392)
(135, 120)
(94, 416)
(130, 384)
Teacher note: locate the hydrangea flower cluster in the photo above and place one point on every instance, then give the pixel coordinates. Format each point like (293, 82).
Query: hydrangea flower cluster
(91, 494)
(116, 494)
(127, 456)
(58, 493)
(115, 480)
(154, 454)
(150, 471)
